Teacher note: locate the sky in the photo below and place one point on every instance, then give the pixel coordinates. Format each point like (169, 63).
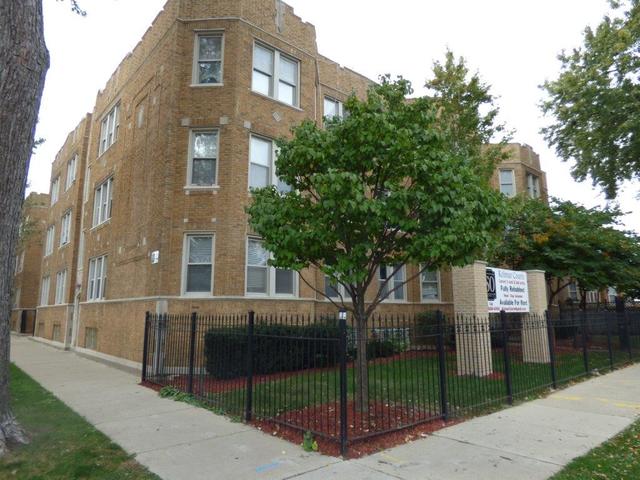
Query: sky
(513, 45)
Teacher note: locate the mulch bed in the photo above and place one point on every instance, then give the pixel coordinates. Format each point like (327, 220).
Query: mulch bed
(367, 428)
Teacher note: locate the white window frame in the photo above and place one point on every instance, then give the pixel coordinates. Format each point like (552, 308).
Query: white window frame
(95, 290)
(338, 103)
(573, 292)
(192, 138)
(185, 263)
(391, 285)
(65, 229)
(195, 74)
(438, 285)
(19, 263)
(50, 238)
(271, 277)
(272, 176)
(61, 286)
(339, 289)
(72, 167)
(533, 185)
(513, 182)
(109, 128)
(16, 298)
(275, 76)
(101, 209)
(55, 190)
(44, 290)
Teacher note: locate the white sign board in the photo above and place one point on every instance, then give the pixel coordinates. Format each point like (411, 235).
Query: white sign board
(507, 290)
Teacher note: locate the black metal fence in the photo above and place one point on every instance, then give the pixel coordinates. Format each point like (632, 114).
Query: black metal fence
(302, 372)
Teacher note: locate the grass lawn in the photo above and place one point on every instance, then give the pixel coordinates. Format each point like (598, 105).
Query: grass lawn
(617, 459)
(63, 445)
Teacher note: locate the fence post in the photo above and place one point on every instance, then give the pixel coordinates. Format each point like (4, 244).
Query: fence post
(507, 362)
(145, 346)
(192, 350)
(442, 359)
(342, 358)
(552, 350)
(249, 391)
(627, 330)
(585, 350)
(607, 320)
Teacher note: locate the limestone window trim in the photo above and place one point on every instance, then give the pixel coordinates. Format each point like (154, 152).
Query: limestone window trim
(195, 73)
(185, 265)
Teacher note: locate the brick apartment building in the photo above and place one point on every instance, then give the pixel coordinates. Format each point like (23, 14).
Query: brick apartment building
(179, 134)
(26, 279)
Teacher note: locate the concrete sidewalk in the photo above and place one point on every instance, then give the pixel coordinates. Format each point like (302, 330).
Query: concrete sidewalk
(177, 441)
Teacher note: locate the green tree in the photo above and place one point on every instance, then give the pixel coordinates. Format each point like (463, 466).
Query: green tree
(381, 187)
(595, 102)
(570, 243)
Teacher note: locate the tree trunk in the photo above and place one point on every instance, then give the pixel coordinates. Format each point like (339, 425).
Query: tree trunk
(362, 369)
(24, 61)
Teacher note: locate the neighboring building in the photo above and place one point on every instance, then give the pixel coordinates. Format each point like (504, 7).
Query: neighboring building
(26, 280)
(181, 132)
(521, 174)
(61, 238)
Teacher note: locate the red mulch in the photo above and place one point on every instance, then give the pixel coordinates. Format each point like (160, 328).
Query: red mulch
(325, 418)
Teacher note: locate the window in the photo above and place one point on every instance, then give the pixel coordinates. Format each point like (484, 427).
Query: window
(97, 278)
(333, 289)
(507, 183)
(430, 286)
(333, 108)
(533, 186)
(262, 172)
(208, 62)
(203, 158)
(198, 269)
(51, 233)
(19, 263)
(61, 281)
(102, 202)
(275, 74)
(72, 166)
(91, 338)
(397, 280)
(44, 291)
(593, 296)
(263, 279)
(55, 190)
(16, 298)
(573, 291)
(109, 129)
(55, 333)
(612, 293)
(65, 229)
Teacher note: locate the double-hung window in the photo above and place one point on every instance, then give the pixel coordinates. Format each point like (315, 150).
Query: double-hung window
(55, 190)
(109, 129)
(430, 286)
(198, 265)
(48, 247)
(208, 62)
(44, 291)
(97, 278)
(394, 281)
(573, 291)
(65, 229)
(102, 202)
(61, 281)
(262, 171)
(333, 108)
(333, 289)
(533, 186)
(72, 166)
(203, 158)
(507, 183)
(275, 74)
(263, 279)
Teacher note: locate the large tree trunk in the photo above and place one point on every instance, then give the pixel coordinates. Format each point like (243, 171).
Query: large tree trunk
(361, 367)
(24, 61)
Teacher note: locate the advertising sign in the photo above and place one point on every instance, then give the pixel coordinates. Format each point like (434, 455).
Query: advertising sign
(507, 290)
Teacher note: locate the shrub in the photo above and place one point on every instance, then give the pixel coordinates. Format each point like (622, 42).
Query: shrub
(277, 348)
